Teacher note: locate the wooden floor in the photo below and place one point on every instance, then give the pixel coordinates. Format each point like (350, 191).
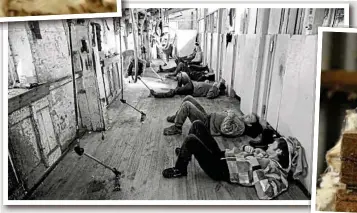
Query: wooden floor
(141, 152)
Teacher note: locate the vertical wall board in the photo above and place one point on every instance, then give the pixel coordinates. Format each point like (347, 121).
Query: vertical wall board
(21, 51)
(62, 112)
(246, 61)
(284, 21)
(24, 149)
(47, 133)
(215, 53)
(278, 68)
(51, 53)
(91, 85)
(265, 75)
(296, 115)
(106, 79)
(228, 65)
(319, 16)
(12, 75)
(84, 111)
(308, 20)
(263, 21)
(209, 49)
(293, 12)
(95, 69)
(274, 20)
(252, 20)
(222, 51)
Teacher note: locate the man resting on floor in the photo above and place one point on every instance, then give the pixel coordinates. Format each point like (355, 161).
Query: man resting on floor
(227, 124)
(266, 170)
(196, 72)
(130, 70)
(194, 58)
(197, 89)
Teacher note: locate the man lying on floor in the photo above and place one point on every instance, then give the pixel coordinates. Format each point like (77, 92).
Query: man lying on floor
(197, 89)
(227, 124)
(196, 72)
(194, 58)
(266, 170)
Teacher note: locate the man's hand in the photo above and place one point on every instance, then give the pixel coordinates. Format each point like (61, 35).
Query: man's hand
(248, 149)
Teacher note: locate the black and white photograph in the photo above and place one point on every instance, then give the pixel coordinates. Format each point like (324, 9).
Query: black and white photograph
(336, 169)
(165, 104)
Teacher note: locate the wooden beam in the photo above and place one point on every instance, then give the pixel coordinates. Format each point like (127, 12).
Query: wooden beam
(339, 78)
(176, 10)
(19, 101)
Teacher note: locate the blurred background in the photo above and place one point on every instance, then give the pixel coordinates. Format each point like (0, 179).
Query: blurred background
(338, 88)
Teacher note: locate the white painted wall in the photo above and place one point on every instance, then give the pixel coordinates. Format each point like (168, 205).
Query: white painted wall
(296, 113)
(20, 45)
(186, 41)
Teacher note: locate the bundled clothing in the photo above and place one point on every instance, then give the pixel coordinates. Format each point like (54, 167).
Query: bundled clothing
(237, 166)
(267, 175)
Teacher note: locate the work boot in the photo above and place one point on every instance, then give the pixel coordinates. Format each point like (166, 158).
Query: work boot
(171, 119)
(177, 151)
(173, 173)
(173, 130)
(152, 92)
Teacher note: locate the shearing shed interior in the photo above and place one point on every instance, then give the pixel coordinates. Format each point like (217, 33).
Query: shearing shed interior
(90, 100)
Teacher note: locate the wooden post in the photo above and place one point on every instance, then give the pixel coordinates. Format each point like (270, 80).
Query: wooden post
(135, 44)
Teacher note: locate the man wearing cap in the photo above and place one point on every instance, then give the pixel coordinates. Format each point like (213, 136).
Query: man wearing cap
(266, 170)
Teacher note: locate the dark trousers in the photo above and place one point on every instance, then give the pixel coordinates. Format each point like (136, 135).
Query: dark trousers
(181, 67)
(204, 148)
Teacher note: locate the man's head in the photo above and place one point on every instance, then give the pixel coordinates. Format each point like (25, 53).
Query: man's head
(250, 118)
(279, 149)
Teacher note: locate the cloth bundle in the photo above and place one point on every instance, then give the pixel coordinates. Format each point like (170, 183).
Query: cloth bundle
(232, 125)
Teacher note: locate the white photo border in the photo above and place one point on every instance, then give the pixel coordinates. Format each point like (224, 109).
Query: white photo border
(321, 30)
(144, 4)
